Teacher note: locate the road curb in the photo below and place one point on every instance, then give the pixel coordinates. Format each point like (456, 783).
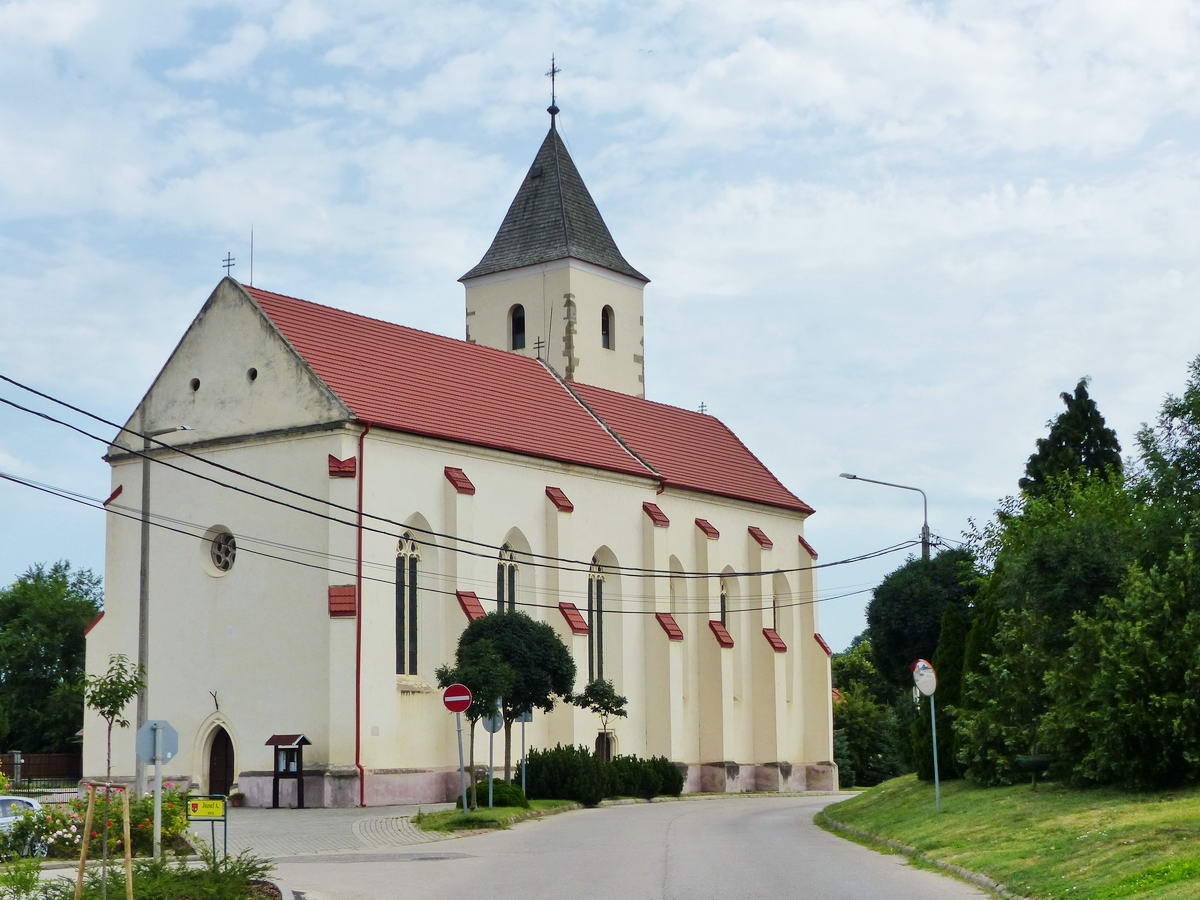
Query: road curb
(978, 879)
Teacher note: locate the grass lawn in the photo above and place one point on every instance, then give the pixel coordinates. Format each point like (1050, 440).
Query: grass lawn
(1054, 842)
(496, 817)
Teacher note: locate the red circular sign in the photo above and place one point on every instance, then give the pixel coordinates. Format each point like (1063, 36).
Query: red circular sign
(457, 697)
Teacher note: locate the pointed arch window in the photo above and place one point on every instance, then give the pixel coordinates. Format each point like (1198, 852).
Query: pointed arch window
(607, 329)
(506, 580)
(516, 327)
(724, 603)
(408, 554)
(595, 620)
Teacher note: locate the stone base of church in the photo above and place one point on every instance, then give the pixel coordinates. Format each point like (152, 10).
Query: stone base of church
(732, 777)
(337, 786)
(395, 787)
(324, 786)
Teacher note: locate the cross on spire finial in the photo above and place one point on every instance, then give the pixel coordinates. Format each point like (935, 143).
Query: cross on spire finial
(554, 70)
(228, 262)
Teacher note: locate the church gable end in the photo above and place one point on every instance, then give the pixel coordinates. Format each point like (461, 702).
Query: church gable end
(233, 373)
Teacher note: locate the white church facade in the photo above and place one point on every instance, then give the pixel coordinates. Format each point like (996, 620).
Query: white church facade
(425, 480)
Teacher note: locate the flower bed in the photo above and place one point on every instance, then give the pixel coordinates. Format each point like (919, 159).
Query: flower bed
(59, 827)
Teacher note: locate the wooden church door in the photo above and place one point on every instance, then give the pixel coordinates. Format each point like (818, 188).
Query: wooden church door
(220, 763)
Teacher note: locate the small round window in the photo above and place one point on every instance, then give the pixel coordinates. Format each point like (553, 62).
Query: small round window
(222, 549)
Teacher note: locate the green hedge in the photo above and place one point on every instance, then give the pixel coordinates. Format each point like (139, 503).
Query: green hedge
(576, 773)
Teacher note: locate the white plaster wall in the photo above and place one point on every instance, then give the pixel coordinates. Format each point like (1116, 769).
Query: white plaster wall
(258, 635)
(541, 289)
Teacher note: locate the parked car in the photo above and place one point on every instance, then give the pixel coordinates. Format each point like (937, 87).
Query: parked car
(11, 808)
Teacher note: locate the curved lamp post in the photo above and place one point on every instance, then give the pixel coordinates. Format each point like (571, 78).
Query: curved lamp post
(904, 487)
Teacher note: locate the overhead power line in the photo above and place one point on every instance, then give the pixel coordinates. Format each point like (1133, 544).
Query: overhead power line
(530, 557)
(95, 503)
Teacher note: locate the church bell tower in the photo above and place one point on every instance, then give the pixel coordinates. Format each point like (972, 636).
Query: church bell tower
(553, 284)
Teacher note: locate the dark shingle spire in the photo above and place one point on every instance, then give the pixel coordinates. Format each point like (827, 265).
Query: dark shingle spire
(552, 217)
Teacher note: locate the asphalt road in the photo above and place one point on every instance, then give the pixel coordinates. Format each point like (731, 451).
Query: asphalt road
(753, 847)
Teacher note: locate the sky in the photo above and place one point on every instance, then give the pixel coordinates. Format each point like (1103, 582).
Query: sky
(883, 236)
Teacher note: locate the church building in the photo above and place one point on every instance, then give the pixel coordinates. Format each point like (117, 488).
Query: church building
(376, 487)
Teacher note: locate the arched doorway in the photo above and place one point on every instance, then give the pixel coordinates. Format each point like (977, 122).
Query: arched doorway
(220, 763)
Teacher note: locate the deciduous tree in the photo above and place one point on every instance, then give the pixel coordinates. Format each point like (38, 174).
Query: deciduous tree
(542, 667)
(42, 619)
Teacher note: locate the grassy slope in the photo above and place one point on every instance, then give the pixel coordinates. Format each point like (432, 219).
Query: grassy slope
(1050, 843)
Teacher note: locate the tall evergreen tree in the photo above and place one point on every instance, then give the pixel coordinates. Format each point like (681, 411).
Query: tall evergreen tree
(1078, 440)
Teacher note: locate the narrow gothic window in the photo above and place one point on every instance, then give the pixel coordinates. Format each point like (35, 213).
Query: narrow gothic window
(724, 605)
(606, 328)
(516, 325)
(407, 555)
(595, 621)
(506, 580)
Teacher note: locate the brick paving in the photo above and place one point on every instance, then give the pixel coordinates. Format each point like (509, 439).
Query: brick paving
(281, 833)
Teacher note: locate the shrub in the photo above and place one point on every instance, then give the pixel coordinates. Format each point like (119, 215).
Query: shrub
(670, 777)
(504, 793)
(567, 773)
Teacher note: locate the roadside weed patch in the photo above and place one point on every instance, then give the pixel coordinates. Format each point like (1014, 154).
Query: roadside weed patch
(496, 817)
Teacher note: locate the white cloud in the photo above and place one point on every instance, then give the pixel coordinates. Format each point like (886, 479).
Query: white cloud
(883, 235)
(229, 60)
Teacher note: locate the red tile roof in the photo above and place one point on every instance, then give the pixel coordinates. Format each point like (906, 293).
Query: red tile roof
(343, 468)
(574, 618)
(721, 632)
(459, 479)
(560, 499)
(824, 646)
(710, 530)
(688, 449)
(412, 381)
(657, 516)
(342, 601)
(807, 546)
(421, 383)
(775, 640)
(670, 626)
(761, 537)
(470, 604)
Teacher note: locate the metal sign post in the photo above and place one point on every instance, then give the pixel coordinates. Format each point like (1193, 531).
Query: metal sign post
(457, 698)
(157, 790)
(524, 718)
(157, 742)
(210, 808)
(492, 724)
(925, 679)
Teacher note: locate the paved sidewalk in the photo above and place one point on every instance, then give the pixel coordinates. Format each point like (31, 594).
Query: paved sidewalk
(279, 833)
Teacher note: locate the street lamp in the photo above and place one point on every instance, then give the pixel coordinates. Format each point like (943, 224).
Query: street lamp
(906, 487)
(144, 591)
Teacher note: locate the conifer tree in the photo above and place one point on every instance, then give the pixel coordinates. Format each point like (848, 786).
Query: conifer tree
(1078, 440)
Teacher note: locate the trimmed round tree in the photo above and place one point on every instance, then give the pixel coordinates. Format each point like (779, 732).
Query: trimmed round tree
(541, 664)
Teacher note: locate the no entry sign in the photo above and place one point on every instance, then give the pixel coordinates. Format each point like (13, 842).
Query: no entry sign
(457, 698)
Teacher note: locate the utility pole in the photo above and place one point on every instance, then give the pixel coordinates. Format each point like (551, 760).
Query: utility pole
(925, 533)
(143, 657)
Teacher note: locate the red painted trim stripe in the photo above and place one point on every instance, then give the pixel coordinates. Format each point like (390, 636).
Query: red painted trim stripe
(807, 546)
(824, 646)
(96, 621)
(113, 496)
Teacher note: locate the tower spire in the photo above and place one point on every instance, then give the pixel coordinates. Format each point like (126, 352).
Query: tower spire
(553, 107)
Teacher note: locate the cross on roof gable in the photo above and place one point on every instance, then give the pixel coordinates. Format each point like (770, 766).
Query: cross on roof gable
(553, 216)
